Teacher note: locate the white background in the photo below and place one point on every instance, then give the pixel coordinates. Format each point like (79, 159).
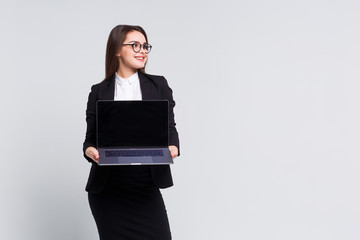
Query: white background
(267, 109)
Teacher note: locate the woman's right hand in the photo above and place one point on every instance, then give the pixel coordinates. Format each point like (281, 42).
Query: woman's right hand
(92, 153)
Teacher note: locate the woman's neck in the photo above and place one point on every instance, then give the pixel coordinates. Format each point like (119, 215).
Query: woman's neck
(126, 73)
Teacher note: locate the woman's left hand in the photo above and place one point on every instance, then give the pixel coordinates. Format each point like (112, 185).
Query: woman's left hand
(173, 151)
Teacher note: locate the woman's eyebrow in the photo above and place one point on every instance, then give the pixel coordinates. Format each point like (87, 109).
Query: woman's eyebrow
(135, 41)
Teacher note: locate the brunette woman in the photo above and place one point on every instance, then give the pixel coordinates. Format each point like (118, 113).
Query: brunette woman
(125, 200)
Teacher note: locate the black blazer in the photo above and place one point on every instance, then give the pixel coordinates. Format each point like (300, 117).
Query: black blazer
(152, 88)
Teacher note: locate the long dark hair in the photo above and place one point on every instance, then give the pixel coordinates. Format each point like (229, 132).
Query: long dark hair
(117, 37)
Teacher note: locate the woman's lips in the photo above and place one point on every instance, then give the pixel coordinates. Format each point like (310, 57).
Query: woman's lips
(140, 58)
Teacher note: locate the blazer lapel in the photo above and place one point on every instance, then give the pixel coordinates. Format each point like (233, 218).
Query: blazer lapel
(109, 90)
(145, 86)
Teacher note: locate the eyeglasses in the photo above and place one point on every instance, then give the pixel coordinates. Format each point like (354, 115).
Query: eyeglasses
(136, 46)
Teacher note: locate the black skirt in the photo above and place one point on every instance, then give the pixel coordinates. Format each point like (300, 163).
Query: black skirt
(130, 207)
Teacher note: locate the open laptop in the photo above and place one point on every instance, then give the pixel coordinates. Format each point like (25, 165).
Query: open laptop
(133, 132)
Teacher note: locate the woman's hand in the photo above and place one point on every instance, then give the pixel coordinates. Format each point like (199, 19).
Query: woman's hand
(92, 153)
(173, 151)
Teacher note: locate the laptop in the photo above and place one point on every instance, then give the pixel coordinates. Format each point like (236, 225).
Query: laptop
(133, 132)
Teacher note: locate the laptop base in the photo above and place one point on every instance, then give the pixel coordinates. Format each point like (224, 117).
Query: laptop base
(141, 156)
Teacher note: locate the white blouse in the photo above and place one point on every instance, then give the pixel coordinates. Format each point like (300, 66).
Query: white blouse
(127, 88)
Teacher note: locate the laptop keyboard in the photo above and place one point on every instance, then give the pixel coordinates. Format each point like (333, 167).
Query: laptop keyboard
(133, 153)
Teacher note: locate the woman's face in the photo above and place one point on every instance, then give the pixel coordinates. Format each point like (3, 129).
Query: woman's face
(128, 59)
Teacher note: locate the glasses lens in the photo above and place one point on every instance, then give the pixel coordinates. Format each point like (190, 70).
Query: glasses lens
(136, 47)
(147, 47)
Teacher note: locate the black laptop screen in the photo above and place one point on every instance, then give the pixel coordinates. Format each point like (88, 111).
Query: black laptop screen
(132, 123)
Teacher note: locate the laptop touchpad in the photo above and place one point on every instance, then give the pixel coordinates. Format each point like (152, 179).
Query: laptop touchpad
(145, 159)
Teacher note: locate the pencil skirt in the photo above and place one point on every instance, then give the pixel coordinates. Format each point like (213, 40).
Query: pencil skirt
(130, 207)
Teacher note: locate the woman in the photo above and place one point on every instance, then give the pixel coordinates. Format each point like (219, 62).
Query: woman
(125, 200)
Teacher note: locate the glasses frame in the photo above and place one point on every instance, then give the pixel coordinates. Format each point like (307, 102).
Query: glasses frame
(141, 46)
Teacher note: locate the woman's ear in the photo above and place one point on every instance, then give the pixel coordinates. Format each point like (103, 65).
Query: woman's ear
(118, 54)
